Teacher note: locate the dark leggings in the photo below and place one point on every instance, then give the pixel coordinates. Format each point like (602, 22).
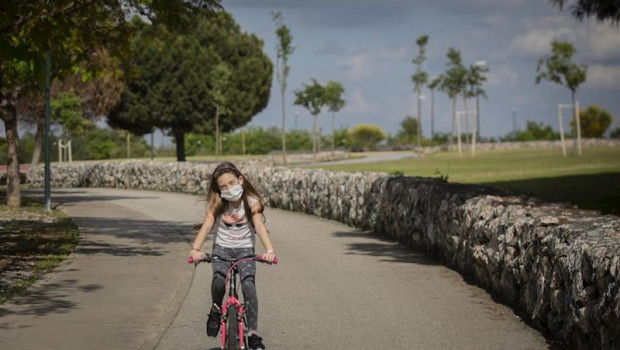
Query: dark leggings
(247, 273)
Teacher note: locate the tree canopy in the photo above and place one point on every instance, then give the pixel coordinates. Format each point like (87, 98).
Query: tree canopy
(594, 121)
(602, 10)
(172, 84)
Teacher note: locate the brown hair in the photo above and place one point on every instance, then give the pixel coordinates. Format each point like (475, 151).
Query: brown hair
(215, 201)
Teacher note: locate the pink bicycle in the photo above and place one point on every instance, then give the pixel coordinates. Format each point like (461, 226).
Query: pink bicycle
(233, 324)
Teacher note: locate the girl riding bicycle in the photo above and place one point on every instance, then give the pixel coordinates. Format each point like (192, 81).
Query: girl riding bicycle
(235, 209)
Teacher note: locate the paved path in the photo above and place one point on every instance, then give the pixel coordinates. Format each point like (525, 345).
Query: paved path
(128, 287)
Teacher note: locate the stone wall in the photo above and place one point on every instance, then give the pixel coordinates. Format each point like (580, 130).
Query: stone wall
(556, 264)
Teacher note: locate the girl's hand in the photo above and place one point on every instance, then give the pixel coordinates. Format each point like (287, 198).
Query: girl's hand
(269, 257)
(197, 255)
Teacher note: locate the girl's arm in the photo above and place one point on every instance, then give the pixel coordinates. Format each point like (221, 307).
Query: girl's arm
(263, 233)
(201, 236)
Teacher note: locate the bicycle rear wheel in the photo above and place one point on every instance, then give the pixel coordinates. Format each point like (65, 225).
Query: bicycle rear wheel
(232, 329)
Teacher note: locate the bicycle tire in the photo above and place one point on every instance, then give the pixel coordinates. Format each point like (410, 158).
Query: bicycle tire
(232, 329)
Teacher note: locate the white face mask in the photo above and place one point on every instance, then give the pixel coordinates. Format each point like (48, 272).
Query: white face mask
(234, 194)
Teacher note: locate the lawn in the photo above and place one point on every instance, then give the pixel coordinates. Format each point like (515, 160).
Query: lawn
(591, 181)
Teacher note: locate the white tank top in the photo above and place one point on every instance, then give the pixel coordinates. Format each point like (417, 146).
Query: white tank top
(233, 229)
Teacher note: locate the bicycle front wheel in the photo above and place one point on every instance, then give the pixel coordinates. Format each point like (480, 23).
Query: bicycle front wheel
(232, 329)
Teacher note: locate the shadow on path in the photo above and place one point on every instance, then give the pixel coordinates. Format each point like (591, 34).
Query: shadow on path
(51, 298)
(389, 250)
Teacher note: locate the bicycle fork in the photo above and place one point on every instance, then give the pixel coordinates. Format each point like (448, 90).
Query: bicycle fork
(233, 302)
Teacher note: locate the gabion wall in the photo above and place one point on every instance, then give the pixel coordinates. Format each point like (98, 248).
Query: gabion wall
(557, 264)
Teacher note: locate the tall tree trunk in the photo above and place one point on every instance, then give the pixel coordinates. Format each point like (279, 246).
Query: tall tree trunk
(314, 118)
(333, 129)
(577, 123)
(419, 120)
(217, 131)
(12, 171)
(466, 120)
(451, 139)
(179, 136)
(8, 113)
(283, 125)
(38, 140)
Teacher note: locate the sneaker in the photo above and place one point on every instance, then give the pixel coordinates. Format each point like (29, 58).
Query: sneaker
(255, 342)
(213, 323)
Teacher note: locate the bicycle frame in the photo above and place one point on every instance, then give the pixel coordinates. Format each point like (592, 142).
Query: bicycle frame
(233, 301)
(233, 298)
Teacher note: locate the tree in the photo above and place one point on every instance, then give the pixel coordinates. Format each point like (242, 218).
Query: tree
(283, 51)
(600, 9)
(435, 82)
(367, 136)
(333, 97)
(420, 78)
(559, 69)
(533, 132)
(172, 81)
(312, 98)
(65, 31)
(453, 83)
(98, 89)
(409, 130)
(220, 77)
(475, 78)
(594, 121)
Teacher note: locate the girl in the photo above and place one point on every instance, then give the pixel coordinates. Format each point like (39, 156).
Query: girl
(235, 209)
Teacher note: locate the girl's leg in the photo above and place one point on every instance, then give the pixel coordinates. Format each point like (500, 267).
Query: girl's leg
(220, 268)
(247, 273)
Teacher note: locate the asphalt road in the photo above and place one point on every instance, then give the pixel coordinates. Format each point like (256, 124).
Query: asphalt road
(128, 287)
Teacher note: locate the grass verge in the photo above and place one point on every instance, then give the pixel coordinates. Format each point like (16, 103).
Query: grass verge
(591, 181)
(32, 243)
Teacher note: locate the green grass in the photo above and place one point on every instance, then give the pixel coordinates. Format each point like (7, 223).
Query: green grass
(591, 181)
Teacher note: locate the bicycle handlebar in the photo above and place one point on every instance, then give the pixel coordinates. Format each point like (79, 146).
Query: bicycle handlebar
(209, 258)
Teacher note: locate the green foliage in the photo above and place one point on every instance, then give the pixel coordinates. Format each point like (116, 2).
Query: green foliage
(558, 67)
(602, 10)
(311, 97)
(342, 137)
(454, 80)
(332, 93)
(174, 86)
(533, 132)
(67, 110)
(409, 130)
(283, 49)
(367, 136)
(594, 121)
(420, 77)
(614, 134)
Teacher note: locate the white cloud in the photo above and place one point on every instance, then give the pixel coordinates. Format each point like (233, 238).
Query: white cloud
(357, 104)
(593, 40)
(536, 42)
(503, 75)
(371, 61)
(600, 41)
(603, 77)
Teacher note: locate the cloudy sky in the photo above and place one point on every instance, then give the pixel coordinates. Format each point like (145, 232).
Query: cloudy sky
(368, 46)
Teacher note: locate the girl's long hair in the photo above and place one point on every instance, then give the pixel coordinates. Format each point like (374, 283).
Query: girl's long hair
(215, 201)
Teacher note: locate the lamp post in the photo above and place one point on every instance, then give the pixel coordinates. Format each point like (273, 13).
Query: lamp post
(478, 64)
(432, 88)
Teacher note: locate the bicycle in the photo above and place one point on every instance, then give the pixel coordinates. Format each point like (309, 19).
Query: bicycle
(233, 334)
